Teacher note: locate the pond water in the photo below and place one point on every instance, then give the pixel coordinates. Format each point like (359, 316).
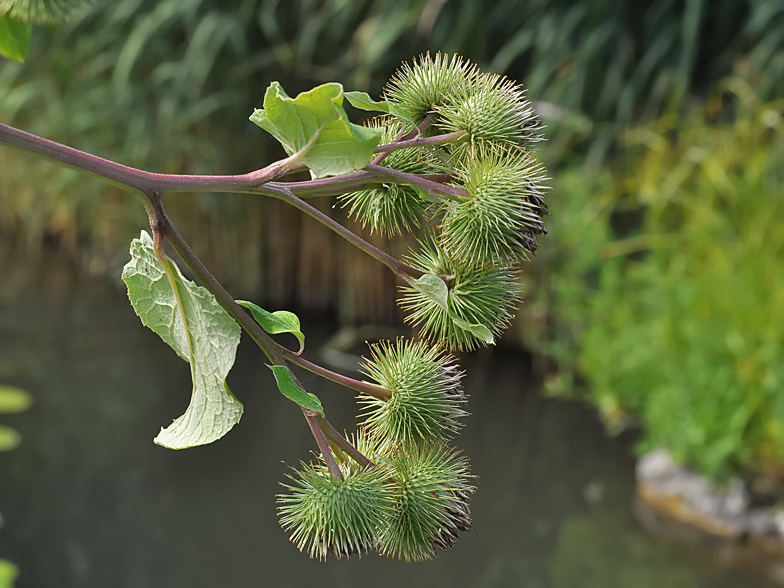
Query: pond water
(88, 500)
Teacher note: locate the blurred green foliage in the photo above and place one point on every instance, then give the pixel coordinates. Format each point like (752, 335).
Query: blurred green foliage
(660, 276)
(665, 284)
(168, 85)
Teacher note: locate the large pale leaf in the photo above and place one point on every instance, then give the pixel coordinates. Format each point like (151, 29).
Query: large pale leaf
(191, 321)
(14, 38)
(315, 128)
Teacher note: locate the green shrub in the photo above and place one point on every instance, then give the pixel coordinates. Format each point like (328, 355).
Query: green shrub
(668, 285)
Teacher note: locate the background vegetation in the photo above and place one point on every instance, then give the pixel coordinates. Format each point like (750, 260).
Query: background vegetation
(660, 280)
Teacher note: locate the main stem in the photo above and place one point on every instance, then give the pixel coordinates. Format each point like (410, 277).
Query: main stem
(149, 188)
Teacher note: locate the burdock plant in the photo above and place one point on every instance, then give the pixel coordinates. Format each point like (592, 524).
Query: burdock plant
(448, 154)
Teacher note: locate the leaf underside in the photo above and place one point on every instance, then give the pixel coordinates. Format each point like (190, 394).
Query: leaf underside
(190, 320)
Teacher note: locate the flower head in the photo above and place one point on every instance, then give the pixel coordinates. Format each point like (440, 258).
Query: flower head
(341, 517)
(431, 503)
(427, 396)
(478, 296)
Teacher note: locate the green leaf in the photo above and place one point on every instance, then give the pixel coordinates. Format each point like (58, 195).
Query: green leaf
(363, 101)
(8, 573)
(314, 128)
(14, 399)
(481, 332)
(14, 38)
(293, 391)
(280, 321)
(9, 438)
(189, 319)
(434, 288)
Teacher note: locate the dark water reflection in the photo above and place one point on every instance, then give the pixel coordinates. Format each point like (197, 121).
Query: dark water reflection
(89, 500)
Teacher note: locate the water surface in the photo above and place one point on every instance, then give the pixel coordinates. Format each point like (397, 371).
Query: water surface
(89, 501)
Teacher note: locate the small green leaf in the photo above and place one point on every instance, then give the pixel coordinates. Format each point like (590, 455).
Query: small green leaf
(14, 38)
(9, 438)
(8, 573)
(14, 399)
(280, 321)
(314, 128)
(481, 332)
(293, 391)
(189, 319)
(363, 101)
(434, 288)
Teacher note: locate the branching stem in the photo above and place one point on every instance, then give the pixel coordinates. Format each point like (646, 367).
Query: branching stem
(431, 187)
(422, 142)
(399, 268)
(364, 387)
(335, 437)
(323, 444)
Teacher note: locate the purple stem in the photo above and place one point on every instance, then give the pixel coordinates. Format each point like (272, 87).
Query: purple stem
(343, 443)
(364, 387)
(422, 142)
(400, 269)
(321, 441)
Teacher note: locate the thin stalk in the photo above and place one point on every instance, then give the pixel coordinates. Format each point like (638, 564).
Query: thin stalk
(422, 142)
(271, 349)
(335, 437)
(399, 268)
(321, 441)
(432, 188)
(404, 137)
(364, 387)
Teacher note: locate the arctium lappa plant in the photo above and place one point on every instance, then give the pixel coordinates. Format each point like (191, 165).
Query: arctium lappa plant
(448, 160)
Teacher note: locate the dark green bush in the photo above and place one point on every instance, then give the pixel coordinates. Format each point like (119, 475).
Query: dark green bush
(668, 285)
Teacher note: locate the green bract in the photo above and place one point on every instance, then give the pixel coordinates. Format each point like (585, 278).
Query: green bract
(480, 299)
(427, 397)
(431, 505)
(189, 319)
(503, 214)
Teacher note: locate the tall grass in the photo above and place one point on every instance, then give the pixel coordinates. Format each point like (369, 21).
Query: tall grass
(168, 84)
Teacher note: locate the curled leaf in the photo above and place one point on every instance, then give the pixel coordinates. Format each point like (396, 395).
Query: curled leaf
(274, 323)
(479, 331)
(315, 129)
(190, 320)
